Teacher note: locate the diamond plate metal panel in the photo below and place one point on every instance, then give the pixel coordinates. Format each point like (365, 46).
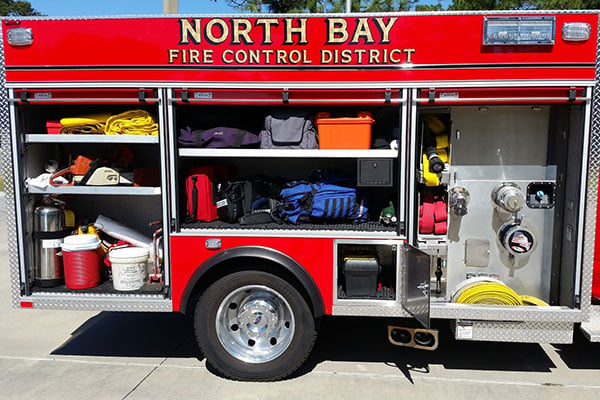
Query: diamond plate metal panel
(6, 161)
(591, 329)
(592, 194)
(371, 311)
(506, 331)
(505, 313)
(102, 304)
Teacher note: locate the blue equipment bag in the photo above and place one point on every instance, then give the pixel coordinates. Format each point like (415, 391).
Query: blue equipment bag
(304, 202)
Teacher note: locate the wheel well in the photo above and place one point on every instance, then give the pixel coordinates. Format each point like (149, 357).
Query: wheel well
(250, 263)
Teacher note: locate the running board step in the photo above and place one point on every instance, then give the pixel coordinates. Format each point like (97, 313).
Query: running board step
(425, 339)
(591, 329)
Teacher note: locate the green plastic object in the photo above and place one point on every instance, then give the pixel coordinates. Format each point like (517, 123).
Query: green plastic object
(388, 215)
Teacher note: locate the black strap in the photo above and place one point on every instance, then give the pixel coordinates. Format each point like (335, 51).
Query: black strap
(51, 235)
(194, 197)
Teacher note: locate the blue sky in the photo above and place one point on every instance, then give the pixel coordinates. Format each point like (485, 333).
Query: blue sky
(68, 8)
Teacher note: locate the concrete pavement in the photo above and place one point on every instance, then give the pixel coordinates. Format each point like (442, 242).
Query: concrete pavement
(79, 355)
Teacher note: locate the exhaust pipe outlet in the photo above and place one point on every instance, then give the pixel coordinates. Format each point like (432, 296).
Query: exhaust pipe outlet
(424, 339)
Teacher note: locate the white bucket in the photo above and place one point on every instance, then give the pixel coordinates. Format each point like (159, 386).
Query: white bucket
(80, 242)
(128, 267)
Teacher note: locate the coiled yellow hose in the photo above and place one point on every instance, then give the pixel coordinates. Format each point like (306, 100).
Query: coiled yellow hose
(483, 290)
(133, 122)
(489, 293)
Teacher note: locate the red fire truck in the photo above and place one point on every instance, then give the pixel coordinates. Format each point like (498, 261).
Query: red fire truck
(224, 166)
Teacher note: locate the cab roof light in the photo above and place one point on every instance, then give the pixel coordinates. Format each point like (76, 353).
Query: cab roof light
(19, 36)
(576, 31)
(518, 30)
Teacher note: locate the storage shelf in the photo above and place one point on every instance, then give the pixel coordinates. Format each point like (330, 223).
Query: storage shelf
(97, 190)
(47, 138)
(285, 153)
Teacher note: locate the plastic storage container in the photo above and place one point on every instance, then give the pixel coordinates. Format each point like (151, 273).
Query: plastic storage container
(81, 261)
(129, 267)
(344, 133)
(361, 276)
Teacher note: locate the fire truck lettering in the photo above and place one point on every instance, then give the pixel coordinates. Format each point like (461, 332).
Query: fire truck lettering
(295, 57)
(221, 25)
(254, 57)
(346, 56)
(268, 54)
(360, 53)
(267, 24)
(188, 32)
(362, 31)
(364, 56)
(337, 30)
(173, 55)
(384, 29)
(281, 57)
(409, 52)
(191, 56)
(291, 30)
(241, 57)
(225, 56)
(207, 56)
(338, 33)
(241, 31)
(374, 56)
(396, 60)
(194, 56)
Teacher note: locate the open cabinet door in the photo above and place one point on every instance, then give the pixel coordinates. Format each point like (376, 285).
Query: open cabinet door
(415, 298)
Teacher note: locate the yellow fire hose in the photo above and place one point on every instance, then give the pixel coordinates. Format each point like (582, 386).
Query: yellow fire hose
(491, 292)
(84, 125)
(134, 122)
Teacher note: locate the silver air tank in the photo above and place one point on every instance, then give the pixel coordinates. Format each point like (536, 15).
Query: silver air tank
(48, 233)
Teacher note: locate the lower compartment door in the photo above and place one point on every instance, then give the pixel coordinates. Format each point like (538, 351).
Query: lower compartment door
(415, 293)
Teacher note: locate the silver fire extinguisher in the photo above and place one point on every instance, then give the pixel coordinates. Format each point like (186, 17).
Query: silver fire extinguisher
(48, 234)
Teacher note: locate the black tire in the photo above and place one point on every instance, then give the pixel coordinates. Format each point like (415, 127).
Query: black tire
(267, 326)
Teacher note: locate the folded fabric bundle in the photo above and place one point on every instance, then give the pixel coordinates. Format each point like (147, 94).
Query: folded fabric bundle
(85, 119)
(433, 215)
(83, 129)
(133, 122)
(440, 211)
(426, 220)
(84, 124)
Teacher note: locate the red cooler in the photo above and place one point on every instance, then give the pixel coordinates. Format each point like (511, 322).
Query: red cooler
(81, 261)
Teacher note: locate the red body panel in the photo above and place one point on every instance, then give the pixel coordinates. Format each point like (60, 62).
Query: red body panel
(364, 51)
(315, 255)
(396, 48)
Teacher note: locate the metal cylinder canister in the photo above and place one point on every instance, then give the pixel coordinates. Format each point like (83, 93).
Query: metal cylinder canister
(509, 197)
(517, 239)
(48, 233)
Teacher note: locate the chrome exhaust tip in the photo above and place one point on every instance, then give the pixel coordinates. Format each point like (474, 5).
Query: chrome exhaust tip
(425, 339)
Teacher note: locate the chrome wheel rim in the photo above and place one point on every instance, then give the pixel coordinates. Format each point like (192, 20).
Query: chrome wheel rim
(255, 324)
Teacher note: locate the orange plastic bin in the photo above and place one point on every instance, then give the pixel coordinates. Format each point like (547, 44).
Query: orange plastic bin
(345, 132)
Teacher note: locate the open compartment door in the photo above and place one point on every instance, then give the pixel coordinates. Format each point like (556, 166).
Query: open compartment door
(415, 294)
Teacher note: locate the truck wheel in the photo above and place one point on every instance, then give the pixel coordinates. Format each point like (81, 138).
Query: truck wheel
(252, 325)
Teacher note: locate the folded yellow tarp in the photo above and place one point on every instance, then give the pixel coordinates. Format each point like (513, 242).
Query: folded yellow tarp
(82, 129)
(133, 122)
(85, 119)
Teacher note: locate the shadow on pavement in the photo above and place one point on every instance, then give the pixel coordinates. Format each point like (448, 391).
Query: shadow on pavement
(365, 340)
(581, 354)
(161, 335)
(132, 334)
